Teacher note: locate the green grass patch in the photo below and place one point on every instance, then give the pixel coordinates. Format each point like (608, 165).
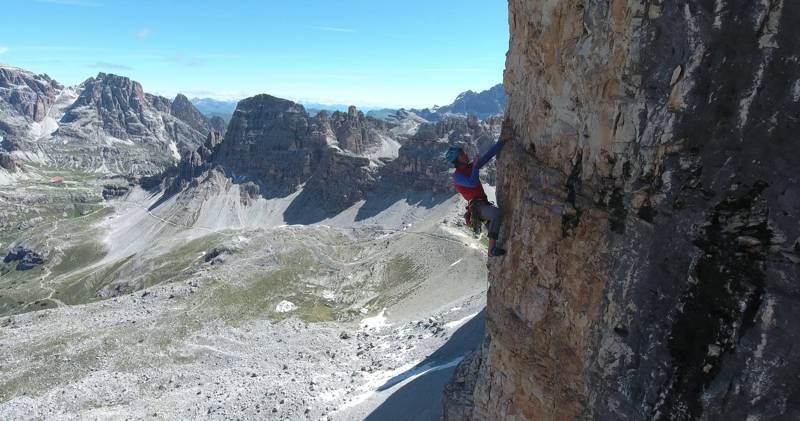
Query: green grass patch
(260, 293)
(79, 256)
(400, 276)
(178, 264)
(399, 271)
(83, 288)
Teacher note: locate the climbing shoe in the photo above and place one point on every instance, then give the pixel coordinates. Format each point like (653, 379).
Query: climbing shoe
(496, 251)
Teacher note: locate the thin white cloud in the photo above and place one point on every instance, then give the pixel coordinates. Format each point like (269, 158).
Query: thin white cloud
(332, 29)
(80, 3)
(112, 66)
(3, 49)
(144, 33)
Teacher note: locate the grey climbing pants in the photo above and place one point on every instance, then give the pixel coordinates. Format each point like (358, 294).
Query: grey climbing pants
(492, 214)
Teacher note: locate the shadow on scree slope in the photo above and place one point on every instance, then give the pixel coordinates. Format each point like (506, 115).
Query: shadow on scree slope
(310, 205)
(421, 399)
(317, 201)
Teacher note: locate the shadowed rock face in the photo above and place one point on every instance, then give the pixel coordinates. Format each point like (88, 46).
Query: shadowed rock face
(193, 164)
(218, 124)
(184, 110)
(651, 216)
(7, 161)
(353, 130)
(273, 141)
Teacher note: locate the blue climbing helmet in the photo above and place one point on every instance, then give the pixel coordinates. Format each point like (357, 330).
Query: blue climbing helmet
(452, 154)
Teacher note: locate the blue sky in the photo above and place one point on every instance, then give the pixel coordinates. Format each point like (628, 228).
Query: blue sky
(391, 53)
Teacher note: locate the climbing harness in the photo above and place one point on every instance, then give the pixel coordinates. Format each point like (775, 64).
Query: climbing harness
(472, 218)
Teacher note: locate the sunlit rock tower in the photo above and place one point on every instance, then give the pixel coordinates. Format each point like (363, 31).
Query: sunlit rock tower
(652, 209)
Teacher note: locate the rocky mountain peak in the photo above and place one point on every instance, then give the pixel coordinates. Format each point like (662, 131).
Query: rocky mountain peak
(11, 77)
(336, 158)
(354, 132)
(119, 102)
(160, 103)
(108, 121)
(28, 94)
(184, 110)
(268, 105)
(272, 122)
(271, 140)
(110, 87)
(484, 104)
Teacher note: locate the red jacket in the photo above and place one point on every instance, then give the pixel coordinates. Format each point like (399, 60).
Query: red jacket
(469, 193)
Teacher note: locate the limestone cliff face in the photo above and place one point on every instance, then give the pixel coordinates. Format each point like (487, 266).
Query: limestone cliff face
(117, 106)
(651, 216)
(25, 99)
(355, 132)
(30, 95)
(273, 140)
(192, 165)
(183, 109)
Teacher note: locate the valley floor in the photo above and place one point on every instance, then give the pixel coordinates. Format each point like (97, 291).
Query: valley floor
(135, 357)
(138, 313)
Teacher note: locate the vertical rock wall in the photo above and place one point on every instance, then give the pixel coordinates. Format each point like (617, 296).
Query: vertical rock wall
(651, 207)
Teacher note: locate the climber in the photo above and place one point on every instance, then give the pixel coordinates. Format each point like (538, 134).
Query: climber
(467, 182)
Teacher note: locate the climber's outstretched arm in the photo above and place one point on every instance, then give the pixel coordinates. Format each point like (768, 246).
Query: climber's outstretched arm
(506, 134)
(487, 156)
(471, 180)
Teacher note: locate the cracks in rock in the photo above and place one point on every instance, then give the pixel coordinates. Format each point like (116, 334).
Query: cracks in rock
(616, 124)
(617, 213)
(721, 305)
(768, 18)
(572, 215)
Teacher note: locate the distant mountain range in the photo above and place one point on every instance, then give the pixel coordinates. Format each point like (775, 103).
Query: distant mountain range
(488, 103)
(108, 123)
(215, 108)
(274, 148)
(224, 109)
(484, 104)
